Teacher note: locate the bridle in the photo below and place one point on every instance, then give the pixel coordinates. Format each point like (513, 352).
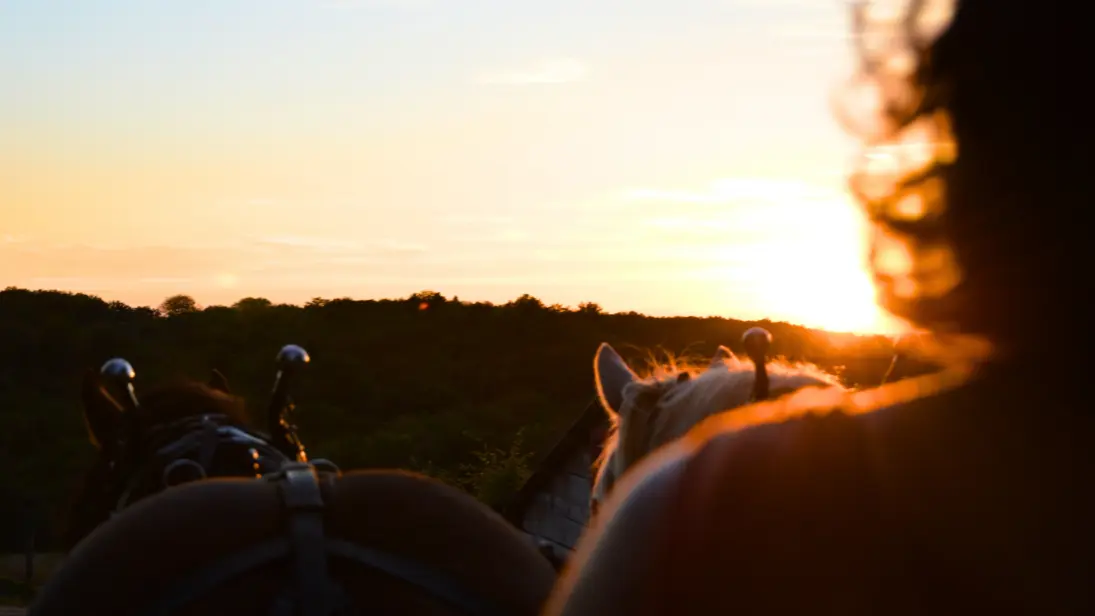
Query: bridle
(757, 342)
(184, 450)
(190, 457)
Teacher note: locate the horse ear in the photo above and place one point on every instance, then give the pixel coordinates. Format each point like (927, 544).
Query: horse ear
(218, 382)
(721, 355)
(611, 374)
(102, 413)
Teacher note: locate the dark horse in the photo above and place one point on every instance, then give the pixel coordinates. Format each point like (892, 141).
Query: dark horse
(175, 433)
(258, 529)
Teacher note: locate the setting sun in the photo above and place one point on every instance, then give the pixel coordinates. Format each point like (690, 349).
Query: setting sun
(772, 248)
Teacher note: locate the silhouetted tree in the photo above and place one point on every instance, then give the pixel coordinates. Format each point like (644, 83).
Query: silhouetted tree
(252, 303)
(178, 304)
(526, 303)
(427, 299)
(589, 308)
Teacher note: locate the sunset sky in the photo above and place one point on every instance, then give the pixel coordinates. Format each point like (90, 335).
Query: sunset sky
(674, 158)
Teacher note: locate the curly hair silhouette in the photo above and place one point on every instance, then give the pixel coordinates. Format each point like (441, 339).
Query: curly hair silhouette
(969, 171)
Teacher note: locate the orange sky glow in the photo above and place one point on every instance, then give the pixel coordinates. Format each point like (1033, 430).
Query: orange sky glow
(682, 163)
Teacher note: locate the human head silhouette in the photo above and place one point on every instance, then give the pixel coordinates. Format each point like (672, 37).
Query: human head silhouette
(969, 172)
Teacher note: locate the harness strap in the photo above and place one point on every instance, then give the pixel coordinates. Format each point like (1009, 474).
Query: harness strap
(302, 498)
(208, 445)
(315, 594)
(273, 550)
(208, 578)
(435, 583)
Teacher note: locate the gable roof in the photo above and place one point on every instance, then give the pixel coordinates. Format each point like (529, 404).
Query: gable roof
(574, 440)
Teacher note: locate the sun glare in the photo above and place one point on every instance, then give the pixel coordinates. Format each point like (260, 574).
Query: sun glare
(226, 280)
(806, 265)
(837, 299)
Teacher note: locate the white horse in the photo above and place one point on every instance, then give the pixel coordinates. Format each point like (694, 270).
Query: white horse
(646, 413)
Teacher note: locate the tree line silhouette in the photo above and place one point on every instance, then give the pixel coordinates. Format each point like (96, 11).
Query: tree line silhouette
(471, 393)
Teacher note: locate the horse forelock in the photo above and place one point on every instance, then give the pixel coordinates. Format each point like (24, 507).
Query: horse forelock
(664, 407)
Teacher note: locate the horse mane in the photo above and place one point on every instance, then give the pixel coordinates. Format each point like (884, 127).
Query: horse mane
(665, 404)
(180, 398)
(170, 401)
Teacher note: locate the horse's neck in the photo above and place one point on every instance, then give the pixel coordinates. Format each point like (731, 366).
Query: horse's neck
(677, 423)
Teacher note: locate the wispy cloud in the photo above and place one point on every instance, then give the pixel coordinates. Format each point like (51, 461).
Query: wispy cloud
(486, 229)
(797, 5)
(397, 246)
(378, 4)
(465, 219)
(671, 196)
(272, 260)
(339, 246)
(753, 4)
(725, 191)
(827, 29)
(309, 243)
(547, 71)
(168, 280)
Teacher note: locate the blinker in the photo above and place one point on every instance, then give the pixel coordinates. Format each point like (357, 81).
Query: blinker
(120, 374)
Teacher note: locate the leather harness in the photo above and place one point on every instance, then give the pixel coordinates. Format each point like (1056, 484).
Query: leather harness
(311, 591)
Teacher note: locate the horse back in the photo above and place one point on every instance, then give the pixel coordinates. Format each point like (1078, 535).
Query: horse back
(140, 556)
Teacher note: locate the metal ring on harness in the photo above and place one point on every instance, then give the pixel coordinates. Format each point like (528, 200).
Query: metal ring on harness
(170, 469)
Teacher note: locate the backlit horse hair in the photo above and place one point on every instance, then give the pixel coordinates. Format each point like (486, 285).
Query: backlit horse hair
(677, 395)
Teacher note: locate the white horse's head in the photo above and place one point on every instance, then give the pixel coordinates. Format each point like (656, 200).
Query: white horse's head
(646, 413)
